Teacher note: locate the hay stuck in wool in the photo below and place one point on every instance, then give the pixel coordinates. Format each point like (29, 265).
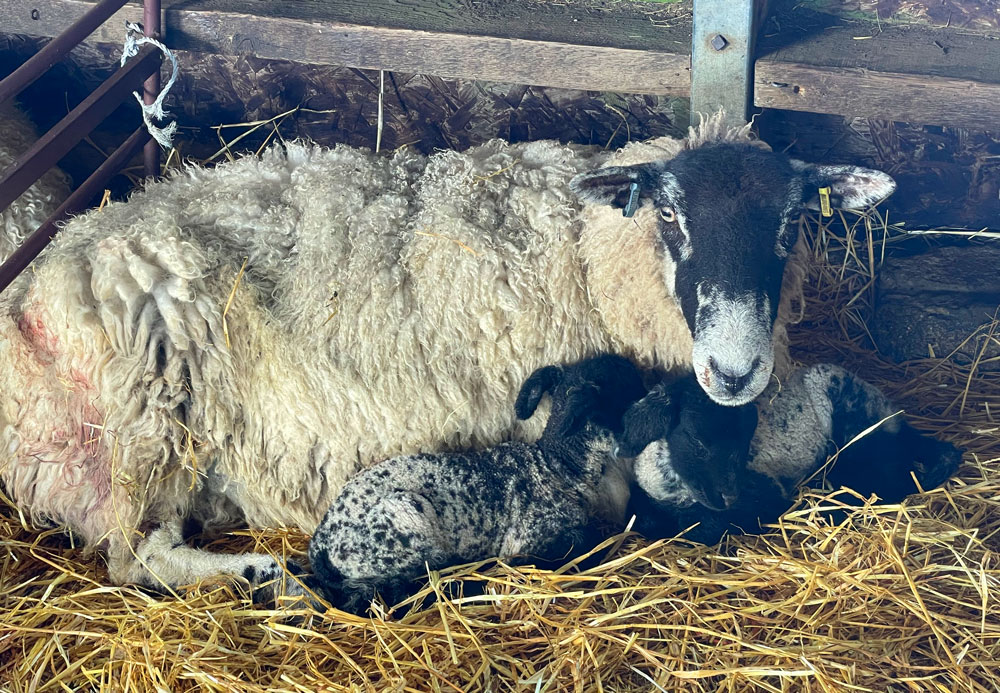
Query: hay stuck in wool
(893, 598)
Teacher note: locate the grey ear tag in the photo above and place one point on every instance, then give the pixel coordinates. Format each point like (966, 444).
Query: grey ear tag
(633, 201)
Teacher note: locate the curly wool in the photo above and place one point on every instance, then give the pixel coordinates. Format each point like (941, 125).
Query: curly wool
(37, 203)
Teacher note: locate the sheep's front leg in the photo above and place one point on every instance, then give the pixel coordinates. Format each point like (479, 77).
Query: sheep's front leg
(165, 562)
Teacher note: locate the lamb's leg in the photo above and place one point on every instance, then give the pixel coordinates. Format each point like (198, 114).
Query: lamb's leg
(165, 562)
(569, 544)
(881, 462)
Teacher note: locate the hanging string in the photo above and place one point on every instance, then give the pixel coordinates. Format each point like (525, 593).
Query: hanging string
(134, 38)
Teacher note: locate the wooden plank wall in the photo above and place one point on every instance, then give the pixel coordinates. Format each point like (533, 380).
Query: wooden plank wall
(913, 74)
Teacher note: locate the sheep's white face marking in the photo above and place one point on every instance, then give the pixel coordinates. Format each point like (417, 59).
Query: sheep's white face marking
(673, 218)
(725, 229)
(733, 353)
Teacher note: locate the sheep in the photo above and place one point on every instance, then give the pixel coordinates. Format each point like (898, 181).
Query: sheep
(38, 202)
(231, 345)
(731, 468)
(567, 490)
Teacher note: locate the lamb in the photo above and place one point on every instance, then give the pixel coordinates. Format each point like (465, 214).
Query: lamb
(232, 345)
(567, 490)
(685, 447)
(697, 465)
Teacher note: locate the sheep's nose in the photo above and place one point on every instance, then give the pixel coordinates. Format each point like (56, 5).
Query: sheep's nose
(734, 383)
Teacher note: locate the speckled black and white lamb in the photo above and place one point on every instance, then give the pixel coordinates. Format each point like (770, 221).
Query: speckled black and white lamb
(565, 491)
(790, 432)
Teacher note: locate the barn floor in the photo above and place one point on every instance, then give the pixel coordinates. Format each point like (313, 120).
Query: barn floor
(895, 598)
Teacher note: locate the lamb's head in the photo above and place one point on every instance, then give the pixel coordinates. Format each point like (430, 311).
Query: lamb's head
(726, 225)
(687, 447)
(594, 391)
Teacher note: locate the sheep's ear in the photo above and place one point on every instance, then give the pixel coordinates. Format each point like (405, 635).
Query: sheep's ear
(623, 187)
(851, 187)
(537, 384)
(649, 419)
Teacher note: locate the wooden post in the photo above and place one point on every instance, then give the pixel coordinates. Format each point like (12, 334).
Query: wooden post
(722, 43)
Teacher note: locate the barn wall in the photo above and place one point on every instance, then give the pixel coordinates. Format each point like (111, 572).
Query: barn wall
(948, 176)
(340, 105)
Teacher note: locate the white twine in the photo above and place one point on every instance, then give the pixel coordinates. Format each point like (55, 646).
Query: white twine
(133, 39)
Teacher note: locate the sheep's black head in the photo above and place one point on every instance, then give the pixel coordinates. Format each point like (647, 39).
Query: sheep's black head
(687, 446)
(597, 390)
(726, 228)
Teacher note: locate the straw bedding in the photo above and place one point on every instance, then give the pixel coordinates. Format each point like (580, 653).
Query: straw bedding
(894, 598)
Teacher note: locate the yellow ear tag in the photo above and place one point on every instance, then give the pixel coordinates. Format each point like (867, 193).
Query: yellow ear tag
(824, 202)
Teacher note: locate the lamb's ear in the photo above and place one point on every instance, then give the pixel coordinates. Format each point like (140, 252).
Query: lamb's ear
(851, 187)
(573, 408)
(649, 419)
(623, 187)
(537, 384)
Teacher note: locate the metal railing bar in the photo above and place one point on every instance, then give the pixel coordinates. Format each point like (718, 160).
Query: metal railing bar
(151, 25)
(54, 144)
(44, 59)
(76, 202)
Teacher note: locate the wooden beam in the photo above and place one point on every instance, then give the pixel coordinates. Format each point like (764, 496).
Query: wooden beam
(55, 50)
(915, 74)
(553, 46)
(890, 95)
(904, 73)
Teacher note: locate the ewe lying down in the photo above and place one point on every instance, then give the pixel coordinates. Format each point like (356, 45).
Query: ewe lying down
(695, 463)
(389, 305)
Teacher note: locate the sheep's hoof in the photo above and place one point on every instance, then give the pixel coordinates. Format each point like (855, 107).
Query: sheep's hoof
(280, 587)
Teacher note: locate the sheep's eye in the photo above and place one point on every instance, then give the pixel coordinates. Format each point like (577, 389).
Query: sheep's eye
(668, 215)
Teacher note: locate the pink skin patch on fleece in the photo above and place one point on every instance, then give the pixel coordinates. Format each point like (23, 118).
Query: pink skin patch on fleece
(38, 337)
(63, 468)
(706, 378)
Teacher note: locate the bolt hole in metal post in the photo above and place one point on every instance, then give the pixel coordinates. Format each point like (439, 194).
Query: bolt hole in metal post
(721, 58)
